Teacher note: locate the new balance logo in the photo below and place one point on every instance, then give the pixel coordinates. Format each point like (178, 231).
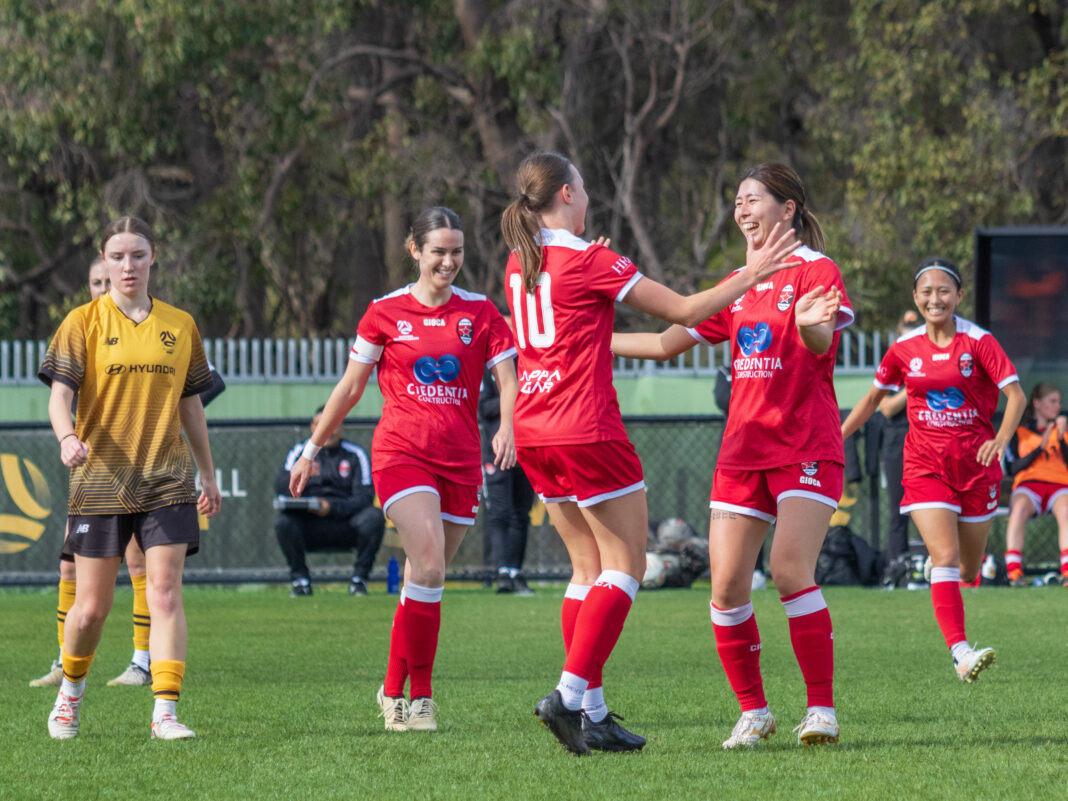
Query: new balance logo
(83, 528)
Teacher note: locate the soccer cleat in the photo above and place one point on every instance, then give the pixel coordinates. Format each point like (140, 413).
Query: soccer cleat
(394, 710)
(357, 587)
(421, 715)
(519, 586)
(53, 678)
(973, 663)
(1018, 579)
(168, 728)
(817, 728)
(64, 720)
(928, 566)
(751, 728)
(301, 587)
(505, 584)
(564, 723)
(133, 676)
(608, 735)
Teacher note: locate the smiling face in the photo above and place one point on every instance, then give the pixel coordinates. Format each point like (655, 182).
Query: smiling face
(128, 258)
(440, 258)
(936, 296)
(756, 211)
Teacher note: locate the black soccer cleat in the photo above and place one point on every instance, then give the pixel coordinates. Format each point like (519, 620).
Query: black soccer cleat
(564, 723)
(357, 587)
(608, 735)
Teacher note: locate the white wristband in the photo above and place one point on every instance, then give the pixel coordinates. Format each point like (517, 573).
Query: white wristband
(311, 450)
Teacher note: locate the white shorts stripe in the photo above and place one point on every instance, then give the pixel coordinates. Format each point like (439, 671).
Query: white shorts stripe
(462, 521)
(607, 496)
(1031, 495)
(404, 493)
(932, 505)
(812, 496)
(977, 518)
(742, 510)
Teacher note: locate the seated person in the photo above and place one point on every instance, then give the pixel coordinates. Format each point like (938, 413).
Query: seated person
(335, 512)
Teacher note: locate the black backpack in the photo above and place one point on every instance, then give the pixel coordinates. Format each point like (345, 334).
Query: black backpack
(846, 559)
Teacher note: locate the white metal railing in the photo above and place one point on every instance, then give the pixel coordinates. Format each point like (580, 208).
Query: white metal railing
(291, 360)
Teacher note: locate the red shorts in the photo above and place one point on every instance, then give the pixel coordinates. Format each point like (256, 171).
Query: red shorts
(459, 502)
(976, 502)
(1041, 493)
(586, 473)
(758, 493)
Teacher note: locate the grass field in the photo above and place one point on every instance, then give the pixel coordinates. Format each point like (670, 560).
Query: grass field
(281, 694)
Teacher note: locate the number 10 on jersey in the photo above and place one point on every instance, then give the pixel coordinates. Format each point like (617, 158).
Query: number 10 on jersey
(527, 326)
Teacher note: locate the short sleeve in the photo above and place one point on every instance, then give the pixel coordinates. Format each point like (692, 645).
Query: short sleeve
(66, 356)
(198, 377)
(995, 361)
(889, 375)
(715, 329)
(609, 274)
(500, 345)
(370, 338)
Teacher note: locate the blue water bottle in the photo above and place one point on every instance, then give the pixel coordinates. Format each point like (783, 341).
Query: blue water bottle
(393, 576)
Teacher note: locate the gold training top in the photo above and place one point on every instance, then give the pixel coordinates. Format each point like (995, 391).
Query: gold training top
(129, 378)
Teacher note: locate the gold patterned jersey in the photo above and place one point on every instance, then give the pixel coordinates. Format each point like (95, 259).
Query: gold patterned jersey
(129, 378)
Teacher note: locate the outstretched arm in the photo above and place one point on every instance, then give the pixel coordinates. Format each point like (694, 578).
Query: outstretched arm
(864, 409)
(660, 346)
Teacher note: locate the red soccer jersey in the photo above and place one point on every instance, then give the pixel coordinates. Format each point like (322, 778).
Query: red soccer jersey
(952, 393)
(430, 362)
(563, 332)
(783, 408)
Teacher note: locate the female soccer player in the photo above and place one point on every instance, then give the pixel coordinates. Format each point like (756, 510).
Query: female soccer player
(570, 438)
(137, 672)
(137, 365)
(952, 371)
(781, 460)
(1037, 459)
(431, 341)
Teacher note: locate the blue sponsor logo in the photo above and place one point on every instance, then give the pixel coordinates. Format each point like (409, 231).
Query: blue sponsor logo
(754, 340)
(951, 398)
(428, 369)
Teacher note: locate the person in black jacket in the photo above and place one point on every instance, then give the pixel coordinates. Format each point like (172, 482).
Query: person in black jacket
(335, 512)
(509, 498)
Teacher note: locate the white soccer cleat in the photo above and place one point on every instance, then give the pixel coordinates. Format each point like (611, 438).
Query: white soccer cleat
(168, 727)
(760, 581)
(133, 676)
(64, 721)
(927, 567)
(751, 728)
(53, 678)
(973, 663)
(817, 728)
(394, 710)
(421, 717)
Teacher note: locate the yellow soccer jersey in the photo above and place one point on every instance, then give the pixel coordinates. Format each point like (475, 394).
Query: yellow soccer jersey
(129, 378)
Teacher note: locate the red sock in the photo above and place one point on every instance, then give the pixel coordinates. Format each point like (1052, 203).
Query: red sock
(738, 646)
(1064, 562)
(813, 639)
(569, 610)
(1013, 562)
(948, 605)
(397, 666)
(422, 622)
(599, 623)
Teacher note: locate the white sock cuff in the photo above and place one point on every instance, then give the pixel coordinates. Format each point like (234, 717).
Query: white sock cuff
(426, 595)
(731, 617)
(577, 592)
(940, 574)
(805, 604)
(617, 578)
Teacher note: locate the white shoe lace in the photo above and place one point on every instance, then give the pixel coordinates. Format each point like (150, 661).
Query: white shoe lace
(748, 730)
(423, 709)
(65, 711)
(816, 721)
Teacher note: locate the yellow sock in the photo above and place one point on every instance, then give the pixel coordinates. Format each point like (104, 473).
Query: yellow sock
(167, 678)
(141, 619)
(75, 668)
(66, 601)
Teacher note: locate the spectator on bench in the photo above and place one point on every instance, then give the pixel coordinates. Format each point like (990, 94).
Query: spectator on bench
(339, 515)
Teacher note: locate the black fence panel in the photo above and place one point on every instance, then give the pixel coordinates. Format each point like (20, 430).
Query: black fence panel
(678, 455)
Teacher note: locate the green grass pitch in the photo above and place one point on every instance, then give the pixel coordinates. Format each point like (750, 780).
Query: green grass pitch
(281, 694)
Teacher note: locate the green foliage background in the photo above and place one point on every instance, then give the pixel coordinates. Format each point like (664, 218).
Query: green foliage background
(281, 148)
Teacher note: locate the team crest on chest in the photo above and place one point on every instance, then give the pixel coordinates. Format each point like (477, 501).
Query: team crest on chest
(404, 327)
(344, 468)
(169, 340)
(967, 364)
(786, 297)
(465, 330)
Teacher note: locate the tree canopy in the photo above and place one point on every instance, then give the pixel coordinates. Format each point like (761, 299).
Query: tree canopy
(281, 148)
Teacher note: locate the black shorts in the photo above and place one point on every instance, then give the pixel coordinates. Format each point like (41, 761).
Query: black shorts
(108, 535)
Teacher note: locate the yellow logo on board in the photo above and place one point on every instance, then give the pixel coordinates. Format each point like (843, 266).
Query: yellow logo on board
(19, 532)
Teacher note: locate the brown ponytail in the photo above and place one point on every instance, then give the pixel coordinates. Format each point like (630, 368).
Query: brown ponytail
(539, 178)
(785, 184)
